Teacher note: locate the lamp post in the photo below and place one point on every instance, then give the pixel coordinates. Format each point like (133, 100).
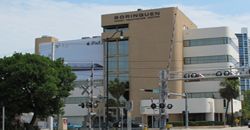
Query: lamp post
(107, 73)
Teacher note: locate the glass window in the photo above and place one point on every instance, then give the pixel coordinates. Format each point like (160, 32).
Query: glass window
(123, 77)
(209, 59)
(112, 48)
(204, 95)
(187, 60)
(123, 64)
(209, 41)
(205, 42)
(123, 47)
(123, 27)
(112, 64)
(112, 77)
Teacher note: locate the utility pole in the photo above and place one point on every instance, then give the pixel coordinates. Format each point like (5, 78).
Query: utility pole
(162, 98)
(88, 88)
(186, 111)
(91, 102)
(164, 76)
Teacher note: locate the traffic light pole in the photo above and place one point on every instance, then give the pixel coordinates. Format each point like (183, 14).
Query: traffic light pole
(91, 95)
(186, 111)
(163, 96)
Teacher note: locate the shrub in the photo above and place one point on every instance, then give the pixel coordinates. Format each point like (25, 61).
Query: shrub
(197, 123)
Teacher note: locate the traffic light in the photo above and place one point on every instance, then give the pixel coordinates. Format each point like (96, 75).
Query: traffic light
(153, 106)
(89, 105)
(187, 75)
(190, 77)
(95, 104)
(225, 73)
(170, 106)
(162, 105)
(82, 105)
(193, 75)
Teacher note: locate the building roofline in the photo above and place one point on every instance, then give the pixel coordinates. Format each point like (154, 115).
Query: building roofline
(139, 10)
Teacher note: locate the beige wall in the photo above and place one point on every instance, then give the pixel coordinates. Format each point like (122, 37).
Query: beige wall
(43, 39)
(149, 45)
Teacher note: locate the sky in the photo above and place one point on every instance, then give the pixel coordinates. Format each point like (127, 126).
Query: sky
(21, 21)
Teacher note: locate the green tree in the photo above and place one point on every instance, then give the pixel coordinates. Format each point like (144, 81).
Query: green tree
(246, 105)
(229, 92)
(117, 90)
(33, 83)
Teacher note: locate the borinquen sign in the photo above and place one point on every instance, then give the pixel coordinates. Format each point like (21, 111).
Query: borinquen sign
(137, 16)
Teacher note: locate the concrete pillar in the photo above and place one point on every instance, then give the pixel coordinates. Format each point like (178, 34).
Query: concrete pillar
(210, 117)
(50, 122)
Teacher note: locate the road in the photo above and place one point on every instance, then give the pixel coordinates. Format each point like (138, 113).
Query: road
(205, 128)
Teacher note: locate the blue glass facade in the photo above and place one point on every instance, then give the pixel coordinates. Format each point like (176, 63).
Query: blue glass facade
(79, 54)
(116, 54)
(244, 58)
(118, 60)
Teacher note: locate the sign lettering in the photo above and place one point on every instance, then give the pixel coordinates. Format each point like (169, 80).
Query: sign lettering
(136, 16)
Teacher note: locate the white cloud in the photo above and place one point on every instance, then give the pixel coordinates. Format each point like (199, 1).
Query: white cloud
(205, 18)
(22, 22)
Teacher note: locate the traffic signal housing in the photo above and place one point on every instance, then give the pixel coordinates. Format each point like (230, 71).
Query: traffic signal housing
(153, 105)
(82, 105)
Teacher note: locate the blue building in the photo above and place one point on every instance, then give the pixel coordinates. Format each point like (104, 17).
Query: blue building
(244, 56)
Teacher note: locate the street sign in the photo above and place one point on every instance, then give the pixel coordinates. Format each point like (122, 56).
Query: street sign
(156, 90)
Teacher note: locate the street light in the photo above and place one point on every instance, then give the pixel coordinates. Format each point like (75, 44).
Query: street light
(107, 72)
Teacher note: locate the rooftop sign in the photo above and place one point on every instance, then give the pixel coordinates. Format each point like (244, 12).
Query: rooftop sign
(137, 16)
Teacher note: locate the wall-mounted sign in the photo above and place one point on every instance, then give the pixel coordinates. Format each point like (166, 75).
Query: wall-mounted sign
(137, 16)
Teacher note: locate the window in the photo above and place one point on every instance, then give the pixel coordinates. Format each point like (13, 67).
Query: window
(123, 48)
(209, 59)
(215, 95)
(205, 41)
(112, 48)
(210, 41)
(112, 64)
(123, 27)
(118, 59)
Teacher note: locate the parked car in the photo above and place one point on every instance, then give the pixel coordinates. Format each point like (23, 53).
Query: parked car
(119, 124)
(248, 124)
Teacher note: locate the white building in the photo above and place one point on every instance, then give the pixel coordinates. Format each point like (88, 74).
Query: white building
(80, 54)
(206, 51)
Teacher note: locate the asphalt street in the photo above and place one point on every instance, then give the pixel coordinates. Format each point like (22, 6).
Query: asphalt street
(207, 128)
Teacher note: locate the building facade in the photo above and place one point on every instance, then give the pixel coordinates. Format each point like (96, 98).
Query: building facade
(81, 55)
(244, 56)
(150, 38)
(144, 50)
(209, 51)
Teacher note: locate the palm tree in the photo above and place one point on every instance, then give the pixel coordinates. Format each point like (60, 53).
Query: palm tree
(117, 89)
(229, 92)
